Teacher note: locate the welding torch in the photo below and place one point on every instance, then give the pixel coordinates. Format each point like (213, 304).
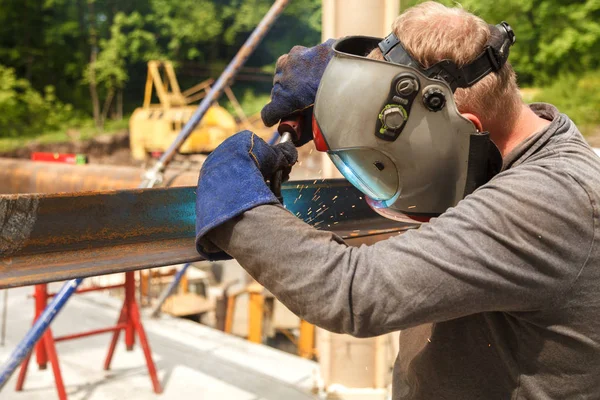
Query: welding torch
(287, 128)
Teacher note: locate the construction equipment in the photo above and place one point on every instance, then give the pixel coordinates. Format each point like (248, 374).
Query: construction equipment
(154, 126)
(260, 315)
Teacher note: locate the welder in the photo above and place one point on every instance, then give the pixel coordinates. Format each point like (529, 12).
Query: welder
(496, 297)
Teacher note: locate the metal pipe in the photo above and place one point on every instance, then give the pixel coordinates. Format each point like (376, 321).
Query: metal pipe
(24, 176)
(90, 333)
(94, 289)
(168, 290)
(37, 330)
(153, 175)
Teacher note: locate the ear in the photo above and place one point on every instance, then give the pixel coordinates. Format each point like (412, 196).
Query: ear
(475, 120)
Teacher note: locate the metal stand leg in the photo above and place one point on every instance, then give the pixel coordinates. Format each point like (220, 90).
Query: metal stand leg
(48, 341)
(130, 316)
(41, 302)
(4, 314)
(115, 338)
(40, 326)
(23, 373)
(135, 313)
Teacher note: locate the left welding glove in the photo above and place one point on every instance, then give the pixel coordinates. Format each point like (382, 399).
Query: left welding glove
(232, 181)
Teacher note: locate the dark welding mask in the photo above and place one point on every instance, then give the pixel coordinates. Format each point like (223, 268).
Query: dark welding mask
(393, 130)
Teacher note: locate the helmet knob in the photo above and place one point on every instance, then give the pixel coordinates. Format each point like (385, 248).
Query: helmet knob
(393, 118)
(407, 86)
(434, 99)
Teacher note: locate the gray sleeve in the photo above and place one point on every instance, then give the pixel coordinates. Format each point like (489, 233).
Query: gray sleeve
(516, 244)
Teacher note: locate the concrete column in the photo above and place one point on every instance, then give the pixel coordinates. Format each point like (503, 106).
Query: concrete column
(358, 17)
(361, 366)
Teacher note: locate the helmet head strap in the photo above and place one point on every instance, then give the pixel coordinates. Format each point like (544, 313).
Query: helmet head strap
(491, 59)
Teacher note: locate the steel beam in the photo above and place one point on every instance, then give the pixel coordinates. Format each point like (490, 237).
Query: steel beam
(51, 237)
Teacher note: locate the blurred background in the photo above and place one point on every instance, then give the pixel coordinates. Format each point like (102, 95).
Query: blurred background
(73, 69)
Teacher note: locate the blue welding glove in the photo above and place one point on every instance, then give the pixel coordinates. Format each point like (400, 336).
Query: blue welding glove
(232, 181)
(297, 78)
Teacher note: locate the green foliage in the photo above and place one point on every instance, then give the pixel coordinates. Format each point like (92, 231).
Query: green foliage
(58, 52)
(129, 42)
(554, 37)
(251, 102)
(50, 43)
(185, 25)
(24, 111)
(576, 96)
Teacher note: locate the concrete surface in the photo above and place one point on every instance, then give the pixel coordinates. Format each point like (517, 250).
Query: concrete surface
(193, 361)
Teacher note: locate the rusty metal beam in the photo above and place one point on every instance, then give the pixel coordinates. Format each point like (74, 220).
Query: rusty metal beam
(51, 237)
(24, 176)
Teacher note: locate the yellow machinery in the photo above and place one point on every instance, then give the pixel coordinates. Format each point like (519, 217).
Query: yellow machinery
(153, 127)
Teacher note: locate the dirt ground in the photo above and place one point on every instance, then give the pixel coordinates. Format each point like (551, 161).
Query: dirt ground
(114, 150)
(104, 149)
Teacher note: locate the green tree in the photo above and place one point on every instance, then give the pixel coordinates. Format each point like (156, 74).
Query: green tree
(23, 110)
(94, 52)
(553, 36)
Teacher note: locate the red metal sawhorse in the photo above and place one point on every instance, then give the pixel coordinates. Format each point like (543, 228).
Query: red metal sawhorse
(129, 320)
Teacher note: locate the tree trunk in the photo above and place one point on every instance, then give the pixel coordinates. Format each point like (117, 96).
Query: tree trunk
(107, 103)
(27, 44)
(119, 115)
(92, 66)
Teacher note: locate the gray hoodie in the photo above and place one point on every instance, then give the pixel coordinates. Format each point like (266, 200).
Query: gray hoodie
(498, 298)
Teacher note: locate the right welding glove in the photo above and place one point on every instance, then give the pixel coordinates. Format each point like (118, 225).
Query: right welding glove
(297, 78)
(232, 181)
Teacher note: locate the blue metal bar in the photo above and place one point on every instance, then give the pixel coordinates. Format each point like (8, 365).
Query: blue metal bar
(169, 289)
(37, 330)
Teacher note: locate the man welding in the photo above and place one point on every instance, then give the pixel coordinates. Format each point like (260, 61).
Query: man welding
(498, 296)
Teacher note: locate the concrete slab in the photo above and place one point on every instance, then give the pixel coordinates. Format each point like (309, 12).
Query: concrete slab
(193, 361)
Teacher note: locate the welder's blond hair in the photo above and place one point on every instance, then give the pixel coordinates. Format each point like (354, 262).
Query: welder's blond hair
(432, 32)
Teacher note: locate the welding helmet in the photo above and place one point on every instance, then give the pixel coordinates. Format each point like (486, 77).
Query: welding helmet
(393, 130)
